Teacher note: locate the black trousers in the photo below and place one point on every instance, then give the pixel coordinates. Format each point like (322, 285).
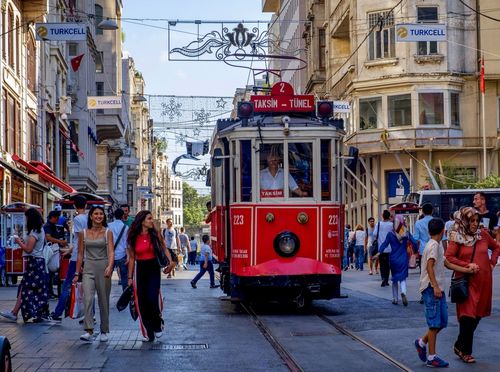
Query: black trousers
(385, 267)
(466, 335)
(148, 280)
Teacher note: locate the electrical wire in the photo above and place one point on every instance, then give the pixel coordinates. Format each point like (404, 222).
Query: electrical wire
(479, 13)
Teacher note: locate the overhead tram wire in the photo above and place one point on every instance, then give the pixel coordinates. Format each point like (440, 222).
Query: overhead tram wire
(479, 13)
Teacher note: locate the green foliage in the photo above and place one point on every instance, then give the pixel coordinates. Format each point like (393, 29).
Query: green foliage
(490, 182)
(455, 177)
(195, 209)
(160, 144)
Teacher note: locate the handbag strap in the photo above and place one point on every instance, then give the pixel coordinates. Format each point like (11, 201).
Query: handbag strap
(473, 252)
(120, 235)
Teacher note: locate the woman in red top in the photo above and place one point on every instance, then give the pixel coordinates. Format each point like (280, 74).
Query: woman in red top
(144, 268)
(462, 238)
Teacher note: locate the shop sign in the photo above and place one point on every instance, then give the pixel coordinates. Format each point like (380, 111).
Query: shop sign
(420, 32)
(61, 31)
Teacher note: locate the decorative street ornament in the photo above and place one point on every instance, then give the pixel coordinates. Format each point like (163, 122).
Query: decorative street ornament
(172, 109)
(219, 46)
(221, 103)
(202, 116)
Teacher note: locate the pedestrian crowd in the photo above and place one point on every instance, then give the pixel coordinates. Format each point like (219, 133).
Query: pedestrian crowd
(135, 247)
(468, 244)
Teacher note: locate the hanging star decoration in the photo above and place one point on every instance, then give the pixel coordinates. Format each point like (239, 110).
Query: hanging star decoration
(202, 116)
(172, 109)
(221, 103)
(196, 132)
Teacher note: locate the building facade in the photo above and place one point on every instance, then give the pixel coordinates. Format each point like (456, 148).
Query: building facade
(415, 106)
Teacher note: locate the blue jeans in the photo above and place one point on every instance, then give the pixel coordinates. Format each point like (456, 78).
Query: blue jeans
(122, 267)
(210, 269)
(359, 252)
(66, 289)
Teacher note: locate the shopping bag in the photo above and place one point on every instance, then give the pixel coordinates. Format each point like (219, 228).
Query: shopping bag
(76, 306)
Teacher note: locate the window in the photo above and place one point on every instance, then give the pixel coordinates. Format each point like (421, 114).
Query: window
(31, 63)
(271, 171)
(370, 110)
(10, 36)
(73, 49)
(300, 157)
(430, 108)
(399, 108)
(119, 178)
(4, 35)
(33, 142)
(246, 170)
(322, 48)
(99, 91)
(130, 194)
(326, 166)
(18, 47)
(99, 65)
(426, 14)
(455, 109)
(381, 42)
(98, 19)
(73, 134)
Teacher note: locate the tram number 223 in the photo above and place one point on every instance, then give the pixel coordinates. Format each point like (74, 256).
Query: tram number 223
(333, 219)
(238, 219)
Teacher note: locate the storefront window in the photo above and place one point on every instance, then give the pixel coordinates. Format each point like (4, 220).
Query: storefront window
(430, 108)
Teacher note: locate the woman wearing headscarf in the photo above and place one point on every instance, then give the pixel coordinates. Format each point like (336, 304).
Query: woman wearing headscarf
(398, 258)
(468, 246)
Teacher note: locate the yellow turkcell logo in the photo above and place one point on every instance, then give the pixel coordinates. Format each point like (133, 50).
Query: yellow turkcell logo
(402, 32)
(92, 102)
(42, 32)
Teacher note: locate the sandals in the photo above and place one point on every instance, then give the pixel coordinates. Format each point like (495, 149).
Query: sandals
(465, 358)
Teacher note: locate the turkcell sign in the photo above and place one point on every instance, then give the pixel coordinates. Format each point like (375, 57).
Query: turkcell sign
(61, 31)
(420, 32)
(299, 103)
(104, 102)
(342, 107)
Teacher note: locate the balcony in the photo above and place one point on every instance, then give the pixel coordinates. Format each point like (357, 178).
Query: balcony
(377, 141)
(109, 124)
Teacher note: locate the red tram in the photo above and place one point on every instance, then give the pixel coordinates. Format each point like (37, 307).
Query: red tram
(277, 218)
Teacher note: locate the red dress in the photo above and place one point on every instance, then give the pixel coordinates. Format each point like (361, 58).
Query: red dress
(480, 284)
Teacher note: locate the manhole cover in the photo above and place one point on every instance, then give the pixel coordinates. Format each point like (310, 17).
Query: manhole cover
(159, 346)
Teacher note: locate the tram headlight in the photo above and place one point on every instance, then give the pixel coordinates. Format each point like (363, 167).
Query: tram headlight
(286, 244)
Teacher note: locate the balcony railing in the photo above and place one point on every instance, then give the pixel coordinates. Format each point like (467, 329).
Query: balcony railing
(415, 139)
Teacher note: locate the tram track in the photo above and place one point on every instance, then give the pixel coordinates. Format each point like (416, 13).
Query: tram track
(292, 363)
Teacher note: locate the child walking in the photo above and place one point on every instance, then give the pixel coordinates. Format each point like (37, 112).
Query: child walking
(205, 263)
(431, 284)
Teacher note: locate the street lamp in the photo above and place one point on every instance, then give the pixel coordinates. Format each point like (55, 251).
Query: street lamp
(108, 24)
(138, 98)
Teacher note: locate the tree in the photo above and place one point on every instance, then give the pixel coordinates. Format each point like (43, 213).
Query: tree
(195, 208)
(490, 182)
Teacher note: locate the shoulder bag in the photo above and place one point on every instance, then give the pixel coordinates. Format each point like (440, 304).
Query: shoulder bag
(459, 288)
(161, 257)
(120, 235)
(374, 246)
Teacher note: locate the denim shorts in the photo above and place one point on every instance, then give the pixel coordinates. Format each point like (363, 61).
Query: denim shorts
(436, 309)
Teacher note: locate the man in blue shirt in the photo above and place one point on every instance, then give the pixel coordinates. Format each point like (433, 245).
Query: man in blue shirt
(120, 229)
(422, 228)
(205, 263)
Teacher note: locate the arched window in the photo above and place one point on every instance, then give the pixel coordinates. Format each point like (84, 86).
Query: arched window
(31, 63)
(10, 37)
(18, 47)
(98, 19)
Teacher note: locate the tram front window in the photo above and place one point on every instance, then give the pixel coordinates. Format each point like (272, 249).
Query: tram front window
(272, 175)
(300, 156)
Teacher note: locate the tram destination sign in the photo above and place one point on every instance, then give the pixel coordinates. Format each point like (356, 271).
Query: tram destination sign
(301, 103)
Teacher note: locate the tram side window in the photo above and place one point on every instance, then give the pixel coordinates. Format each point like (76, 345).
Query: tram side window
(326, 158)
(246, 170)
(300, 156)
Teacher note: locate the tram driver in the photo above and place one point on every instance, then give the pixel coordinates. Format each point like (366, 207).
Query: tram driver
(272, 180)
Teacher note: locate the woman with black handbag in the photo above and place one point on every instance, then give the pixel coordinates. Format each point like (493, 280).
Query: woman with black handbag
(468, 245)
(147, 255)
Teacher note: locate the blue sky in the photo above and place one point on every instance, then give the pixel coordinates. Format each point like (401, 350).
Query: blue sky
(148, 46)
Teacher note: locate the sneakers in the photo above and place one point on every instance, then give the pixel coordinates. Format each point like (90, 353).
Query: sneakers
(422, 351)
(394, 301)
(53, 317)
(9, 315)
(193, 284)
(103, 337)
(437, 362)
(158, 334)
(146, 339)
(87, 337)
(404, 299)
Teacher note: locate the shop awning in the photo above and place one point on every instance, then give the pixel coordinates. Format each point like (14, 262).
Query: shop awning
(43, 171)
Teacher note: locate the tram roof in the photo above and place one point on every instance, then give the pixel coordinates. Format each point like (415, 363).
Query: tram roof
(276, 121)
